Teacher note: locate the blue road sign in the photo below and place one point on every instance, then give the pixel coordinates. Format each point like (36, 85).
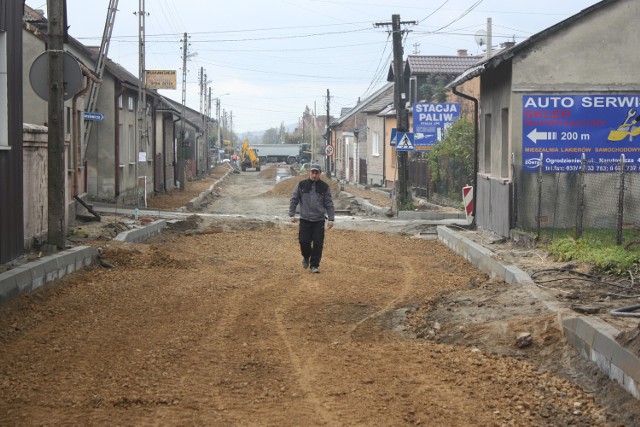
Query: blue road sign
(430, 122)
(564, 127)
(393, 141)
(93, 116)
(404, 141)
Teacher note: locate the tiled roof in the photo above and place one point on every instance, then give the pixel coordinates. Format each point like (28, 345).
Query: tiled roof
(363, 105)
(429, 64)
(33, 15)
(381, 102)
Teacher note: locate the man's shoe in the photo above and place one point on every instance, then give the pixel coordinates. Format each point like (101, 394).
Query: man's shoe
(315, 270)
(305, 263)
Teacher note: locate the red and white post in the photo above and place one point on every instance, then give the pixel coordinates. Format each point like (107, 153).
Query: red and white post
(467, 197)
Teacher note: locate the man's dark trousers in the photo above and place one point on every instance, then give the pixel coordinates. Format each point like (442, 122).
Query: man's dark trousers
(311, 232)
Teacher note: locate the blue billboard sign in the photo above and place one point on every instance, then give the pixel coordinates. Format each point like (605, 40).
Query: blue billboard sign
(430, 122)
(560, 129)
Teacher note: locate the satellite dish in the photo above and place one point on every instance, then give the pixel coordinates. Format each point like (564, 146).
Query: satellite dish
(481, 37)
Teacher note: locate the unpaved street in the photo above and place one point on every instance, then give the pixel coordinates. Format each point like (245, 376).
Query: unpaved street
(214, 322)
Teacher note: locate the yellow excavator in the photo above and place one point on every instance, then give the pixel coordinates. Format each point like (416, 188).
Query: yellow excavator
(248, 157)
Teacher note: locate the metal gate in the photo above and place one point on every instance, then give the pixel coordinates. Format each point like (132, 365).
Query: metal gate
(362, 179)
(419, 176)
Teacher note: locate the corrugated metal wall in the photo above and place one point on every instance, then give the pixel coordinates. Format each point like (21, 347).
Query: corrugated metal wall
(11, 204)
(493, 210)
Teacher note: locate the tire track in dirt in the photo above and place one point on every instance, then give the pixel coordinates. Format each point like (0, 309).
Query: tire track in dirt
(409, 280)
(305, 373)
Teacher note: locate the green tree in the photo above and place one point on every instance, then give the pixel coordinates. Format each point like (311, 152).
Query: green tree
(434, 88)
(451, 161)
(270, 136)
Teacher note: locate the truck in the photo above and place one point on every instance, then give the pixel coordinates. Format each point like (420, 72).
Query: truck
(248, 157)
(277, 153)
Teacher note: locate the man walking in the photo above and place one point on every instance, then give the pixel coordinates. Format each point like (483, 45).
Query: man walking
(316, 205)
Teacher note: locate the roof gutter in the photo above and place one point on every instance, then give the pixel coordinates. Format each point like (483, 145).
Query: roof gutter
(474, 179)
(467, 75)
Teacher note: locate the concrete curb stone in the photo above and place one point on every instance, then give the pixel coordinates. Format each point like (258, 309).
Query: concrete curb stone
(196, 202)
(592, 338)
(29, 277)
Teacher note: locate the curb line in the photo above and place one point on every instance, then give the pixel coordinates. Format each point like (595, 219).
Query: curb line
(197, 201)
(31, 276)
(593, 338)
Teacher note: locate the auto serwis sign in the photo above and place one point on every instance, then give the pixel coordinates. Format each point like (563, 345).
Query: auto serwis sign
(562, 128)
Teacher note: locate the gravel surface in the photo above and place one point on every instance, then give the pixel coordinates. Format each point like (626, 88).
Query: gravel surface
(214, 322)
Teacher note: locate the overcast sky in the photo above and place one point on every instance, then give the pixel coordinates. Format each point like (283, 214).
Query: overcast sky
(274, 57)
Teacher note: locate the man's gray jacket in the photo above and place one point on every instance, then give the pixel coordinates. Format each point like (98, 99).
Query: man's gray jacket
(314, 198)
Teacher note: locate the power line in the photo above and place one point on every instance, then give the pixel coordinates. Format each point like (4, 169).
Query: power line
(432, 13)
(465, 13)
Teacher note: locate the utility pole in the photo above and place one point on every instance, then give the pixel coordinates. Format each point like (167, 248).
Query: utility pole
(142, 100)
(201, 87)
(219, 142)
(204, 114)
(207, 131)
(489, 38)
(185, 54)
(399, 102)
(328, 158)
(313, 134)
(56, 233)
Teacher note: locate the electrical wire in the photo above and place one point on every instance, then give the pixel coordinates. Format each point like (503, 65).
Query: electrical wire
(379, 68)
(432, 13)
(584, 277)
(465, 13)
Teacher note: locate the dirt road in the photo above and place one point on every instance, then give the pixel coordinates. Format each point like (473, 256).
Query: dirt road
(214, 322)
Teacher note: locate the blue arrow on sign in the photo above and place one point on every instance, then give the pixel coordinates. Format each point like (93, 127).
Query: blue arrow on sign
(93, 116)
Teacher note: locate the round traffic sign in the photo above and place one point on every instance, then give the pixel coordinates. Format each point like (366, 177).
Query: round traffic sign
(328, 150)
(39, 76)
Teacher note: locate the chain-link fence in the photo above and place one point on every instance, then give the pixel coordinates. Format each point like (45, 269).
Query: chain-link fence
(592, 197)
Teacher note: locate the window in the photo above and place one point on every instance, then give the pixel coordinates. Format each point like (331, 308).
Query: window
(120, 102)
(121, 151)
(504, 152)
(69, 147)
(487, 143)
(130, 103)
(132, 144)
(67, 120)
(4, 113)
(375, 144)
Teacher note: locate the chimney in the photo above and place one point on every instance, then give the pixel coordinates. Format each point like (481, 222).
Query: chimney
(507, 45)
(462, 52)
